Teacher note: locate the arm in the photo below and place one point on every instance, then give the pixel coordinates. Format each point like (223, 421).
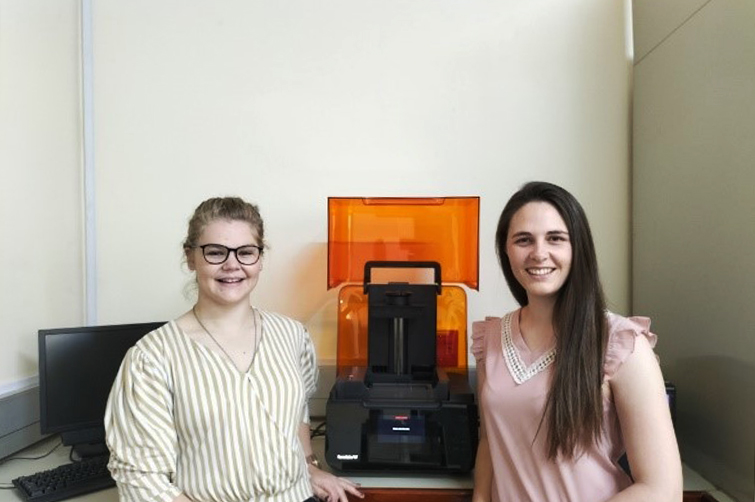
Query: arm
(483, 469)
(140, 433)
(483, 472)
(645, 419)
(324, 484)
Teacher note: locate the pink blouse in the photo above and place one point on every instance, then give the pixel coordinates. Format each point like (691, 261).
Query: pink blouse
(511, 413)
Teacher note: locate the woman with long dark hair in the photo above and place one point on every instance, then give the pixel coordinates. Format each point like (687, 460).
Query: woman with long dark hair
(566, 387)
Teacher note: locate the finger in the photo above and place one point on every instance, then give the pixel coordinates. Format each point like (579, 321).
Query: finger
(354, 491)
(349, 485)
(320, 493)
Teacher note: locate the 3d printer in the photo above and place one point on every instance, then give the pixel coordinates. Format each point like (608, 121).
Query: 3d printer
(402, 400)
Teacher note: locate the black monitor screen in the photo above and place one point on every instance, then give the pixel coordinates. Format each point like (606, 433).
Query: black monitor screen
(77, 367)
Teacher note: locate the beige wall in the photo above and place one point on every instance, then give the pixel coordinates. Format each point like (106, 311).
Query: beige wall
(40, 185)
(694, 208)
(287, 103)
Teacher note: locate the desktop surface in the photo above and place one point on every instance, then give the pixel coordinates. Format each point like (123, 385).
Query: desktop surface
(379, 484)
(15, 466)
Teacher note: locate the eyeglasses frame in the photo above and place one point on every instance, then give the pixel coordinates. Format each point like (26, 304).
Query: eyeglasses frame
(228, 252)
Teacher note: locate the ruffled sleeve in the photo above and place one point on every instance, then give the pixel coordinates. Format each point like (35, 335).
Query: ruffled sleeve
(480, 332)
(623, 331)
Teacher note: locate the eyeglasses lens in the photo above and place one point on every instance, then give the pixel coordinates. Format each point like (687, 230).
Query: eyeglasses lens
(246, 255)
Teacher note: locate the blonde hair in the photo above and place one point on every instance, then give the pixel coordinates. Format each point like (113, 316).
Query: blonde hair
(224, 208)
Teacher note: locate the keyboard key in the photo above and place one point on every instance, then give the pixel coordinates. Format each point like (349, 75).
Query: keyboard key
(66, 481)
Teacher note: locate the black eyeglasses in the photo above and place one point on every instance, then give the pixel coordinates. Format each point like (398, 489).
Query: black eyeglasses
(215, 254)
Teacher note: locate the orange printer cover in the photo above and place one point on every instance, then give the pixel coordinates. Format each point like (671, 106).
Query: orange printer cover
(441, 229)
(445, 230)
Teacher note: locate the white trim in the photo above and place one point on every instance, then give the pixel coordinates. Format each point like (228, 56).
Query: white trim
(629, 31)
(90, 236)
(18, 386)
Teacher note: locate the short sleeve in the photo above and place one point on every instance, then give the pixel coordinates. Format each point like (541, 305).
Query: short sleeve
(140, 431)
(623, 332)
(309, 372)
(481, 330)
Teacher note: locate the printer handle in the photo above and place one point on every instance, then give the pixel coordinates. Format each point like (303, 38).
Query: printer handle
(369, 265)
(389, 403)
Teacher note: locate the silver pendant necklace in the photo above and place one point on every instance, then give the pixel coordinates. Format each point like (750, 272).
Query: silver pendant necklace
(220, 346)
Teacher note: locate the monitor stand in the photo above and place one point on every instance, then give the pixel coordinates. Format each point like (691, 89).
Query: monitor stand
(86, 442)
(86, 450)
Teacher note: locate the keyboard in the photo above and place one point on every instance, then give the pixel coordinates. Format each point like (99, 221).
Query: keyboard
(65, 481)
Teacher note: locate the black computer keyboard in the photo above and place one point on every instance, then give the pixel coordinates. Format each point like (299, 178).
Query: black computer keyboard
(65, 481)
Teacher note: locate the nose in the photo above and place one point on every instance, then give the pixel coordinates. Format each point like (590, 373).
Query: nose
(539, 251)
(232, 260)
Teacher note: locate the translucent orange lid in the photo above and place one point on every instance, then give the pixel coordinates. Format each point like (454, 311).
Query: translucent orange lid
(451, 329)
(442, 229)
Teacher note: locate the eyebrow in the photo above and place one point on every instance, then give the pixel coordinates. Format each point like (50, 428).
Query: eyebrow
(549, 232)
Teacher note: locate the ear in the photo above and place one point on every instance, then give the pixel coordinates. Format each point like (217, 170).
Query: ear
(189, 253)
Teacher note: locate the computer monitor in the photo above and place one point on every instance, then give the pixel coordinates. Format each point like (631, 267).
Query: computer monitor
(77, 367)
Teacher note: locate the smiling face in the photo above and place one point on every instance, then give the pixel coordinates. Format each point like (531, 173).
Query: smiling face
(539, 250)
(229, 282)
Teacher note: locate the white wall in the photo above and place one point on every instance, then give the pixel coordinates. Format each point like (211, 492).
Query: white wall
(694, 208)
(40, 186)
(287, 103)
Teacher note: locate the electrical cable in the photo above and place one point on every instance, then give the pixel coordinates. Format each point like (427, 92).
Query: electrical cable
(318, 431)
(9, 486)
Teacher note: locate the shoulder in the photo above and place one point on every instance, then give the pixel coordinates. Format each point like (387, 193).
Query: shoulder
(150, 359)
(284, 328)
(281, 322)
(625, 334)
(486, 331)
(157, 342)
(156, 348)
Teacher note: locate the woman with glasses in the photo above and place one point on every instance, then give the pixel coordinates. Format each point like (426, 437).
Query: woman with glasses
(213, 405)
(566, 387)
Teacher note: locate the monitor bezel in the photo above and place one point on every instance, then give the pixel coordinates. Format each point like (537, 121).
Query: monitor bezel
(80, 432)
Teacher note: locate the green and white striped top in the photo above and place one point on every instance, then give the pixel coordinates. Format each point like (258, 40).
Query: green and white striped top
(181, 418)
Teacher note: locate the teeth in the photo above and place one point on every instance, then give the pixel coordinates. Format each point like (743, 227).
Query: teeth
(539, 271)
(230, 280)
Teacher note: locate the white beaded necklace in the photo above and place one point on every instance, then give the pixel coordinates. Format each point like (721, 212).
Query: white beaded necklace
(256, 340)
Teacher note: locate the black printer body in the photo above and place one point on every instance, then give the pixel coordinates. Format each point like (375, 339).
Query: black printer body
(401, 412)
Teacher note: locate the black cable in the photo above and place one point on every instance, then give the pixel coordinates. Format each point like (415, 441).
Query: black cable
(33, 458)
(317, 431)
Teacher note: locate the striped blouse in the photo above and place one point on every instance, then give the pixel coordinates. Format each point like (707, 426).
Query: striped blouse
(181, 418)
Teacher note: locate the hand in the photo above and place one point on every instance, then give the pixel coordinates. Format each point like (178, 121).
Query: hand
(331, 488)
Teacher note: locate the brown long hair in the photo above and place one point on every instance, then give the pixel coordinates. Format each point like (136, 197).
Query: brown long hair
(574, 406)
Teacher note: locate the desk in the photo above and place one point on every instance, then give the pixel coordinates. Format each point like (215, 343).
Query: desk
(377, 488)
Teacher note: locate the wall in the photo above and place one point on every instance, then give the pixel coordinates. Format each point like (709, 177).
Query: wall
(694, 120)
(287, 103)
(40, 200)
